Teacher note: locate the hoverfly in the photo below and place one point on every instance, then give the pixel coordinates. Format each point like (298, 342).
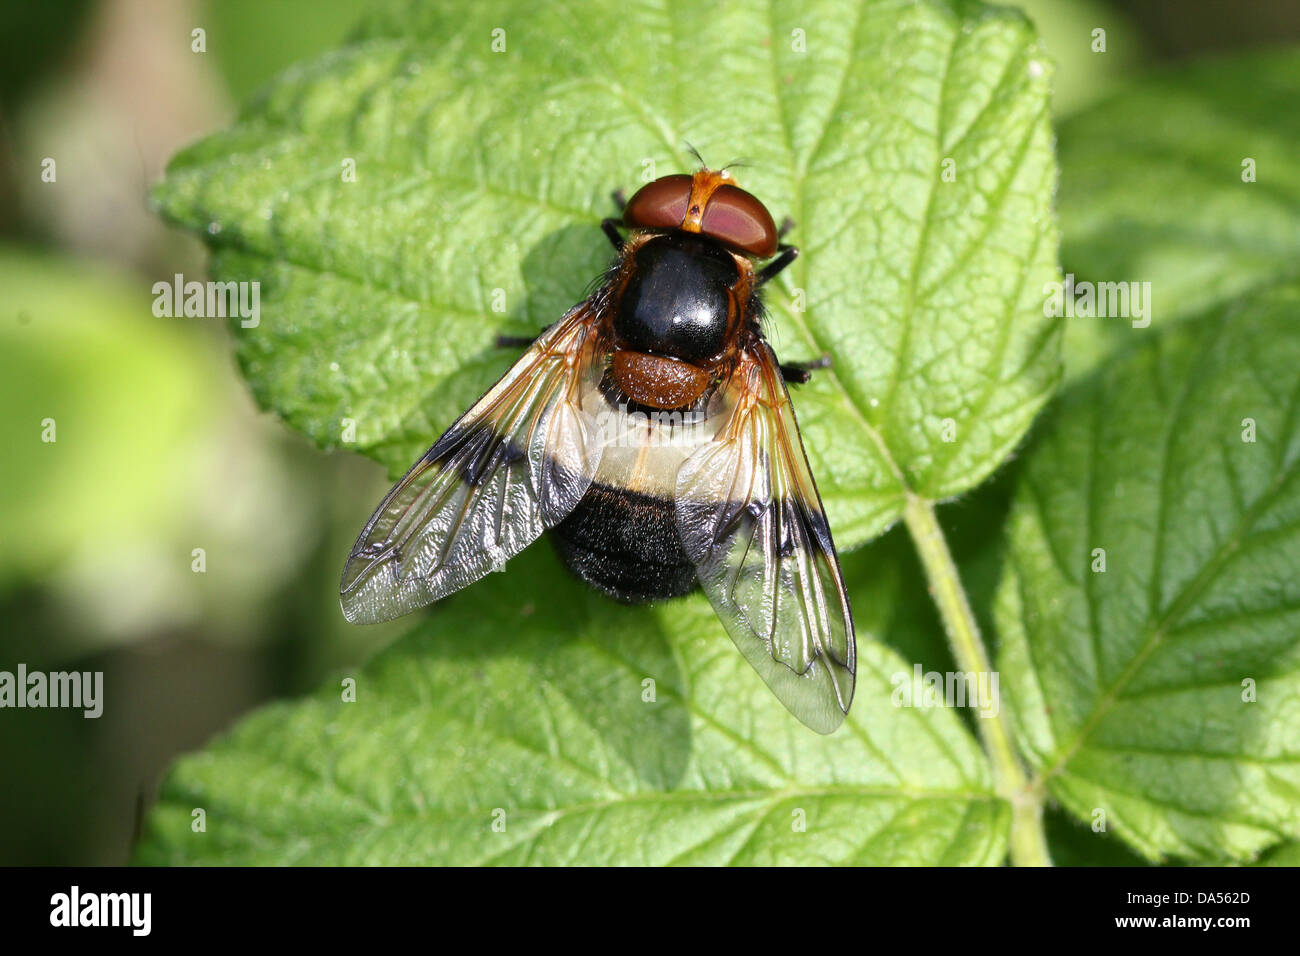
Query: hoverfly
(650, 431)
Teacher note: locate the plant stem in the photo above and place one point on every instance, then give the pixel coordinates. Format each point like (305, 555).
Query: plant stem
(1028, 843)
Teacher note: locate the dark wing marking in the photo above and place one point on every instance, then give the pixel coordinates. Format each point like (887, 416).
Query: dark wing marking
(752, 523)
(512, 466)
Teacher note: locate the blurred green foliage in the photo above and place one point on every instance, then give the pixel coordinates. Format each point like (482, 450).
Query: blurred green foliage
(102, 404)
(253, 40)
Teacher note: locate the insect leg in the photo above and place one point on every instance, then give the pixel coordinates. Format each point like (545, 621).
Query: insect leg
(620, 199)
(518, 341)
(773, 268)
(801, 372)
(611, 230)
(514, 341)
(786, 225)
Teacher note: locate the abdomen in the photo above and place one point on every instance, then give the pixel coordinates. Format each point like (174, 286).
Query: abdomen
(622, 538)
(625, 544)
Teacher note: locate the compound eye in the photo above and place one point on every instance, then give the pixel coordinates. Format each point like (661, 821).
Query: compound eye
(741, 221)
(660, 204)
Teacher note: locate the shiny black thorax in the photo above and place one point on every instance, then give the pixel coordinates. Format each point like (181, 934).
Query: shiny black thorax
(678, 302)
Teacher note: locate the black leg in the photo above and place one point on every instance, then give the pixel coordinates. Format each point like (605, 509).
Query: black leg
(620, 199)
(801, 372)
(514, 341)
(518, 341)
(611, 230)
(786, 225)
(773, 268)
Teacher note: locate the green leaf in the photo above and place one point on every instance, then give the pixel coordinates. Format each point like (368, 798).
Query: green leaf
(481, 177)
(524, 698)
(1284, 854)
(1076, 843)
(1130, 687)
(1152, 190)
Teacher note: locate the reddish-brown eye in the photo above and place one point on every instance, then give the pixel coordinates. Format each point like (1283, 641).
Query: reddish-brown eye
(740, 220)
(660, 204)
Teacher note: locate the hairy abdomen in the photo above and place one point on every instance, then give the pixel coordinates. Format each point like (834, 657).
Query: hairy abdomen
(625, 544)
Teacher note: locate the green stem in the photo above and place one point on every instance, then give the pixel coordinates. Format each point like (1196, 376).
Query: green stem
(1028, 843)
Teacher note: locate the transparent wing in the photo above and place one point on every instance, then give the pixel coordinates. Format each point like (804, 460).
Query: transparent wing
(512, 466)
(752, 523)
